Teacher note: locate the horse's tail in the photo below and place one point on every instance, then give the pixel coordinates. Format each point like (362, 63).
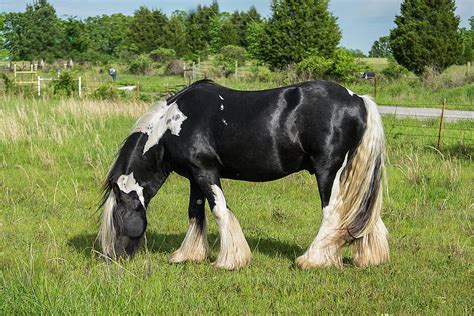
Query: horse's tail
(106, 234)
(361, 193)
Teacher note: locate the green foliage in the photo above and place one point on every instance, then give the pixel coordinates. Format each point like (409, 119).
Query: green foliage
(3, 51)
(381, 48)
(65, 85)
(256, 37)
(9, 84)
(229, 55)
(142, 64)
(356, 53)
(107, 36)
(223, 32)
(147, 30)
(344, 66)
(176, 32)
(106, 91)
(162, 54)
(426, 35)
(467, 36)
(34, 34)
(314, 67)
(198, 36)
(297, 29)
(394, 70)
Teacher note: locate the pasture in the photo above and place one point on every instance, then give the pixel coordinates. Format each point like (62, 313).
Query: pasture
(54, 155)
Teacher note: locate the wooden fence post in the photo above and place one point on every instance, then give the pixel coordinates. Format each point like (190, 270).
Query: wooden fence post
(441, 122)
(80, 87)
(39, 86)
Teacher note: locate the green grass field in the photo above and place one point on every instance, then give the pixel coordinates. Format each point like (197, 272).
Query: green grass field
(55, 154)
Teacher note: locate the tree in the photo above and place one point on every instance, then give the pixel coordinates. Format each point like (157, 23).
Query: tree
(381, 48)
(75, 41)
(241, 21)
(223, 32)
(3, 51)
(147, 30)
(198, 27)
(297, 29)
(426, 35)
(176, 30)
(467, 36)
(35, 33)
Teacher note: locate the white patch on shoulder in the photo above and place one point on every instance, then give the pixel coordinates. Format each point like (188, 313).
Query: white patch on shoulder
(158, 120)
(221, 97)
(350, 92)
(127, 184)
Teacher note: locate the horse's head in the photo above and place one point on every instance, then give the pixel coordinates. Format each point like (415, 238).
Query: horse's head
(123, 219)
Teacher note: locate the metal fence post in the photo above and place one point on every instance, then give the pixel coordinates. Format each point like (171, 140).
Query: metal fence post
(39, 86)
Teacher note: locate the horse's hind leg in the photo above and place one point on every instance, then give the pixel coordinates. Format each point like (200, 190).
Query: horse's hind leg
(234, 250)
(194, 246)
(326, 248)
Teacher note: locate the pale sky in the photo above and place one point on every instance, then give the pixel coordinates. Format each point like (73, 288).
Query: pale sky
(361, 21)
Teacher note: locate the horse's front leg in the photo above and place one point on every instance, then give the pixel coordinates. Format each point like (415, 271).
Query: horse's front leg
(194, 246)
(234, 250)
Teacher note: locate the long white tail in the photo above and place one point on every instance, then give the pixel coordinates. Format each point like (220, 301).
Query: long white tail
(360, 194)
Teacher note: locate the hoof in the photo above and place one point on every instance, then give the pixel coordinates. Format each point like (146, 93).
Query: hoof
(304, 262)
(235, 263)
(182, 256)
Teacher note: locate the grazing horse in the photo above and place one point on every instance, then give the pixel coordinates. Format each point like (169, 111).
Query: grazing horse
(207, 132)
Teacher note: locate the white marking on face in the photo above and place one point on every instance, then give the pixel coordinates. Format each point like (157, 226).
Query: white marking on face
(224, 121)
(199, 202)
(158, 120)
(350, 92)
(127, 184)
(221, 97)
(222, 107)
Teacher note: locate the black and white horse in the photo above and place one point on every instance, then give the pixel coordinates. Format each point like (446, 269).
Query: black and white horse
(207, 132)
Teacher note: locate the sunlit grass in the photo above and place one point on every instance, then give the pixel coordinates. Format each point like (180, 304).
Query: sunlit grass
(55, 154)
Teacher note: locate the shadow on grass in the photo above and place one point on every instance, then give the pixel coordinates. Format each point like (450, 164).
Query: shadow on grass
(167, 243)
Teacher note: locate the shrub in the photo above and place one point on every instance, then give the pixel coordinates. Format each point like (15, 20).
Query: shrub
(229, 55)
(394, 70)
(162, 54)
(141, 65)
(9, 84)
(313, 67)
(107, 91)
(344, 66)
(174, 67)
(65, 84)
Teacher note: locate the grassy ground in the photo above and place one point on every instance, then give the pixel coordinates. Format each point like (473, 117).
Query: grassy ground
(54, 155)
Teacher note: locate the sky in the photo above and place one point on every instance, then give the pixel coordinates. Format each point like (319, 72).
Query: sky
(361, 21)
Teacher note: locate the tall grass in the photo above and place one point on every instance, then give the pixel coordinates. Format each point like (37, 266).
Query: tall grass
(54, 156)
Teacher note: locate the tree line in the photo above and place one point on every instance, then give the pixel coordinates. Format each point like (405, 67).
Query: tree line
(426, 35)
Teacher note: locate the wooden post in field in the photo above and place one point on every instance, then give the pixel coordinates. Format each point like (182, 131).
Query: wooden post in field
(80, 87)
(441, 122)
(375, 87)
(39, 86)
(138, 89)
(236, 68)
(14, 72)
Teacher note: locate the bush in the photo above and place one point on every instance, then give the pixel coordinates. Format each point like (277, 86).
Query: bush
(313, 67)
(107, 91)
(394, 70)
(9, 84)
(65, 84)
(229, 55)
(344, 66)
(162, 54)
(141, 65)
(174, 67)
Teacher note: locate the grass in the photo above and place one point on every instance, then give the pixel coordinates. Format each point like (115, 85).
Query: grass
(54, 155)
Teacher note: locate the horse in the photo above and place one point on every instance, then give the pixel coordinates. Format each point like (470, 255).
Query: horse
(207, 132)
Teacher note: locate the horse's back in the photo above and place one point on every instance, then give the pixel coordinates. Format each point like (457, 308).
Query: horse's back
(264, 135)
